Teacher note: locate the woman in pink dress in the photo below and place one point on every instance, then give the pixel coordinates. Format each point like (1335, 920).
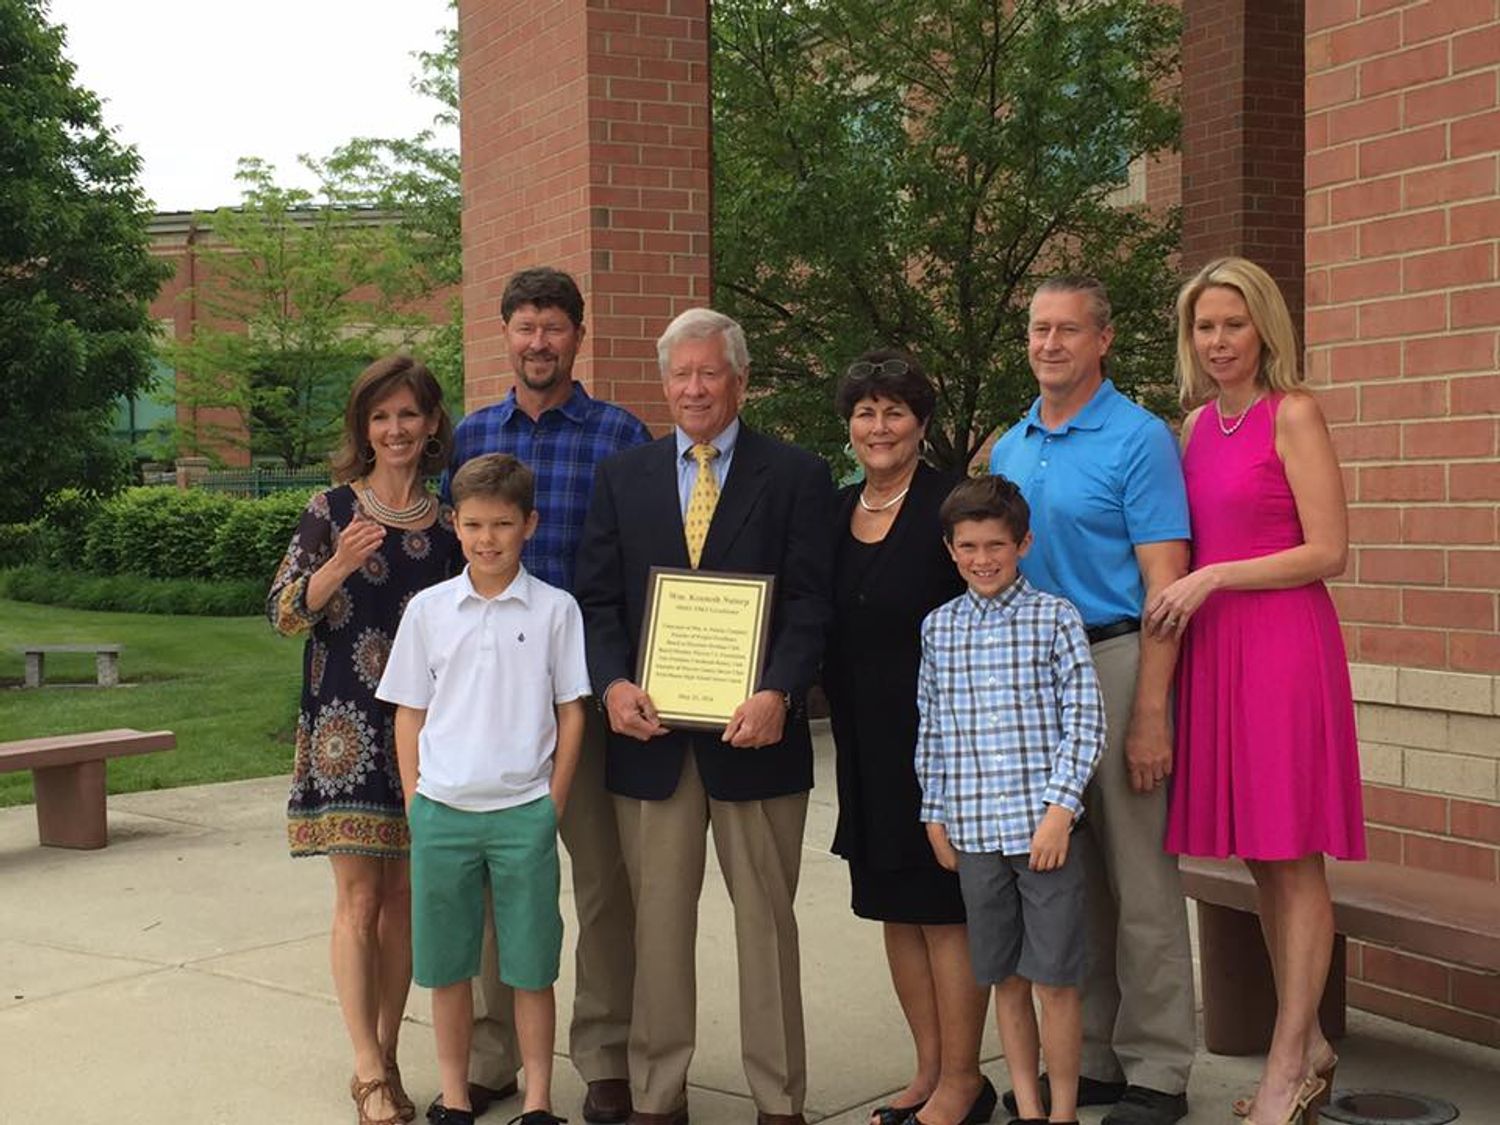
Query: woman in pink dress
(1267, 766)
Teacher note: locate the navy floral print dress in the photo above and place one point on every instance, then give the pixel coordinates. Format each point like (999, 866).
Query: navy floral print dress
(346, 790)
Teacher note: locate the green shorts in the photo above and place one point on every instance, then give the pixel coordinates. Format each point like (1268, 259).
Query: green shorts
(452, 852)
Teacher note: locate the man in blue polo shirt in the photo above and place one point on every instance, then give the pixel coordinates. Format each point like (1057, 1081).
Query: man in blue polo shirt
(1110, 519)
(550, 424)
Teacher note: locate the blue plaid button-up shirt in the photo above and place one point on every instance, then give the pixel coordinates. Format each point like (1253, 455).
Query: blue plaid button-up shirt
(1012, 719)
(562, 448)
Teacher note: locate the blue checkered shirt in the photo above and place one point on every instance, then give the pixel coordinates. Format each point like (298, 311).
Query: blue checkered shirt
(562, 447)
(1012, 719)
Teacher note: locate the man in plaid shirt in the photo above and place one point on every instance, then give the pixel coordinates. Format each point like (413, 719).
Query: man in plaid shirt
(1011, 729)
(553, 426)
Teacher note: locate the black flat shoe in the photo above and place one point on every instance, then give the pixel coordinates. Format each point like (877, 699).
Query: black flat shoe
(1091, 1091)
(984, 1105)
(896, 1114)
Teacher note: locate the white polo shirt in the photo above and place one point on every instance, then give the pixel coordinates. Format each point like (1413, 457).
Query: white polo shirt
(487, 671)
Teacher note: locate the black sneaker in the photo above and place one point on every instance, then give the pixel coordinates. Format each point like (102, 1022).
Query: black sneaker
(1139, 1105)
(1091, 1091)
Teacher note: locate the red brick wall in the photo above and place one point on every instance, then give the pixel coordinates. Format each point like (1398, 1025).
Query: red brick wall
(1403, 218)
(591, 154)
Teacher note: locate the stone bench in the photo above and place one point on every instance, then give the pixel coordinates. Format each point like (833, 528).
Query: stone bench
(106, 662)
(1448, 917)
(68, 772)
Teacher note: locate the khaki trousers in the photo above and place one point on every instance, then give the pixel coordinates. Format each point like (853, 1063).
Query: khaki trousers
(604, 961)
(1138, 1016)
(759, 848)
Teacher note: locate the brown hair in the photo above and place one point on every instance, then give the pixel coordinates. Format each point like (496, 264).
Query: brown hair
(495, 476)
(375, 383)
(986, 498)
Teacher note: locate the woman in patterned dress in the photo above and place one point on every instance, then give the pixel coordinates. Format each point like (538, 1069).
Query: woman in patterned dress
(361, 550)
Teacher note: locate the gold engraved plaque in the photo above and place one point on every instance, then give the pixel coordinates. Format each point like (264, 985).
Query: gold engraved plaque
(703, 646)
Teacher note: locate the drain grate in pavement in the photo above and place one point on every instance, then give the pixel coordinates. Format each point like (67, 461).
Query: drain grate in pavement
(1387, 1107)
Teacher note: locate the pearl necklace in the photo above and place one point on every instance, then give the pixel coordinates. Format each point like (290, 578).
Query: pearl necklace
(891, 503)
(1228, 431)
(384, 513)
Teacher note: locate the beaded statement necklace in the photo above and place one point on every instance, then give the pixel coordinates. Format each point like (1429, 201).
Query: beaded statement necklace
(383, 512)
(1239, 420)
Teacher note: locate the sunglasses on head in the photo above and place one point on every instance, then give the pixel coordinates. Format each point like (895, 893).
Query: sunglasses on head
(863, 369)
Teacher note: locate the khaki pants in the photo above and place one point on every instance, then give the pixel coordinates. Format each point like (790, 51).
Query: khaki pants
(759, 847)
(1138, 1014)
(604, 962)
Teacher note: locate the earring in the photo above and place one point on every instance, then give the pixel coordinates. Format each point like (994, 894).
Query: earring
(432, 447)
(368, 456)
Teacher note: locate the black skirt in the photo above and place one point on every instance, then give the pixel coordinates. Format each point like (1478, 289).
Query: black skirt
(916, 896)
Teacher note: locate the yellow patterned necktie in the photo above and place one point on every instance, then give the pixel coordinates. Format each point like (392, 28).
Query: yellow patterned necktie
(701, 502)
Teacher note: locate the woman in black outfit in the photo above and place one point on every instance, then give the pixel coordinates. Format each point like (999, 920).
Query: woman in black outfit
(891, 570)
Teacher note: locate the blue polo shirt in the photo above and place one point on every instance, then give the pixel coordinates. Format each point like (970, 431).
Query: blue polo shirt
(1104, 481)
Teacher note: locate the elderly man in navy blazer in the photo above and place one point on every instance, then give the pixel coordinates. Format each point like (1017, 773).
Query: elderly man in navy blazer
(715, 495)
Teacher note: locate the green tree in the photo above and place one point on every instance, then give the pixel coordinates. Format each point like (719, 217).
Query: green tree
(898, 173)
(76, 274)
(299, 291)
(416, 180)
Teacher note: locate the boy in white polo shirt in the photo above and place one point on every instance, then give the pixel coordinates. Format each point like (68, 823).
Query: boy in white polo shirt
(487, 673)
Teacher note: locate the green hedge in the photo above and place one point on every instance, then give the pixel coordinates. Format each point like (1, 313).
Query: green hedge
(171, 533)
(156, 533)
(132, 593)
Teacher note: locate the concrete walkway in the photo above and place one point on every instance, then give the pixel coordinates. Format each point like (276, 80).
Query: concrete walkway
(181, 975)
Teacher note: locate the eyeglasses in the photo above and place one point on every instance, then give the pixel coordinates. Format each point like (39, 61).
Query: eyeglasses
(863, 369)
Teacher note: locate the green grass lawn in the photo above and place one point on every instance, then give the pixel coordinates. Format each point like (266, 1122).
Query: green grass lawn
(227, 686)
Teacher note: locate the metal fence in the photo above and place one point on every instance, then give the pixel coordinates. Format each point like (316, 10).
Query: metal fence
(259, 480)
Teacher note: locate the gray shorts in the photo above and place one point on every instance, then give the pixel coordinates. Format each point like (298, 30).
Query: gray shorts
(1023, 922)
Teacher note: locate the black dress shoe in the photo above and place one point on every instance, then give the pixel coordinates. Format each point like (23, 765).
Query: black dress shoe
(480, 1099)
(1140, 1105)
(896, 1114)
(1091, 1091)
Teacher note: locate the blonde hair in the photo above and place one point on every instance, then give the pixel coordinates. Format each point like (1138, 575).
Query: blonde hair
(1279, 366)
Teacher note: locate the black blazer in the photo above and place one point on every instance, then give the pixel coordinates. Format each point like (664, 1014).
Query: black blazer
(870, 673)
(774, 516)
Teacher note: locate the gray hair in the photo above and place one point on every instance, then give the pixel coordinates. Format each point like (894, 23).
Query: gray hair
(1092, 289)
(700, 324)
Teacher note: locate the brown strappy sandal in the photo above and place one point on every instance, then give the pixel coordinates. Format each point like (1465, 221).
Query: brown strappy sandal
(406, 1109)
(361, 1091)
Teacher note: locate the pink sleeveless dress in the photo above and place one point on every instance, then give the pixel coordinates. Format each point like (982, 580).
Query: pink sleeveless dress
(1267, 766)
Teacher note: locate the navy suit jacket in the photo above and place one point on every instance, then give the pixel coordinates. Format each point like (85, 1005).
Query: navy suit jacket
(774, 516)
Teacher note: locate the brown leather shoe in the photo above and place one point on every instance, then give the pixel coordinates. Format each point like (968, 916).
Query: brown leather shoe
(676, 1117)
(779, 1119)
(607, 1101)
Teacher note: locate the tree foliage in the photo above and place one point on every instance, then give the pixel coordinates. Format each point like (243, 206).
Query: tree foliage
(416, 180)
(326, 280)
(298, 292)
(76, 274)
(899, 173)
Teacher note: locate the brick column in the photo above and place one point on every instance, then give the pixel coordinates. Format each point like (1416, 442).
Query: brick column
(1242, 136)
(585, 141)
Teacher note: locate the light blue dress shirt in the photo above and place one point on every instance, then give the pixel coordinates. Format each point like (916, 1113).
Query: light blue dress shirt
(687, 464)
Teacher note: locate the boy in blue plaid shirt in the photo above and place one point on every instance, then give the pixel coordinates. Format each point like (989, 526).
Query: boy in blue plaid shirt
(1012, 727)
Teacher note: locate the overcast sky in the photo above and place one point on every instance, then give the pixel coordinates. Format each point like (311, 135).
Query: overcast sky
(196, 84)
